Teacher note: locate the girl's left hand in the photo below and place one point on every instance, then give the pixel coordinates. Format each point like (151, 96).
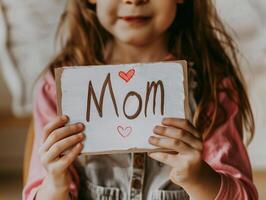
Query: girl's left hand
(186, 156)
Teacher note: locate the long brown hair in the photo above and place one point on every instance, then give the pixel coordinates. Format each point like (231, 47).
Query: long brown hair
(196, 35)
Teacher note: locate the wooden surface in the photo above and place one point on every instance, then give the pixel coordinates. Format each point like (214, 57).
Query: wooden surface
(13, 133)
(7, 120)
(28, 152)
(260, 181)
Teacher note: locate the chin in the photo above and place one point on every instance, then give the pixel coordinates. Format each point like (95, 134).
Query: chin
(136, 41)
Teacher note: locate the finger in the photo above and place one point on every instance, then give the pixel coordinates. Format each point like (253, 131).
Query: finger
(172, 144)
(63, 145)
(58, 122)
(69, 158)
(183, 124)
(164, 157)
(61, 133)
(179, 134)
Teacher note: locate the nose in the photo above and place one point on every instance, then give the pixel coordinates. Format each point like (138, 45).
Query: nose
(136, 2)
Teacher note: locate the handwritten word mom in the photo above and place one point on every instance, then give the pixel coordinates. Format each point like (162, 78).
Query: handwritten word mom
(131, 94)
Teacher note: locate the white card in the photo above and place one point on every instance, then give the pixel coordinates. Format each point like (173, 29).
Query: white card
(119, 104)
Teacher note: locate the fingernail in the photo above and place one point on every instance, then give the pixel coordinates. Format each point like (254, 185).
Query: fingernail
(64, 117)
(150, 154)
(164, 119)
(151, 139)
(80, 125)
(156, 128)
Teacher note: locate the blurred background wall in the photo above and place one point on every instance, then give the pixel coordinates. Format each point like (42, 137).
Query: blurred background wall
(27, 33)
(246, 20)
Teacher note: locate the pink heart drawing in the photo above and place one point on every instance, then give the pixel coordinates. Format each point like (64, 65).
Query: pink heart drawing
(126, 76)
(124, 132)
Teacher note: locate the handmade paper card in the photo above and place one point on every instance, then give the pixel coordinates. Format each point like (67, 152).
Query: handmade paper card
(121, 104)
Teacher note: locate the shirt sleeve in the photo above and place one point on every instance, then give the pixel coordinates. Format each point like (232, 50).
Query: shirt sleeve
(226, 153)
(44, 110)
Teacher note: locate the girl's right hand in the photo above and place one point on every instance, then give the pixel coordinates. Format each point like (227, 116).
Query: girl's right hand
(59, 138)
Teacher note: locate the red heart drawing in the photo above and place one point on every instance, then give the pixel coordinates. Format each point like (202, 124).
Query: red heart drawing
(127, 75)
(124, 132)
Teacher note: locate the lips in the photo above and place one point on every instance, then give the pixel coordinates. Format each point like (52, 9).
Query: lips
(135, 19)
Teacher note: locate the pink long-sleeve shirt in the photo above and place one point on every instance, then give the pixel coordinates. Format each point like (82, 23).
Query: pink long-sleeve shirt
(224, 150)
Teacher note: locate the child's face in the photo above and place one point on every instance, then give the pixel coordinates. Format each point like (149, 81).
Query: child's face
(136, 22)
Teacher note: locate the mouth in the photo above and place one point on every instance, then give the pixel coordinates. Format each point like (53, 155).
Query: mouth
(135, 19)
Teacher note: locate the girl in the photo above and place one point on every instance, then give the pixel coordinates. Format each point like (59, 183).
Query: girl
(208, 159)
